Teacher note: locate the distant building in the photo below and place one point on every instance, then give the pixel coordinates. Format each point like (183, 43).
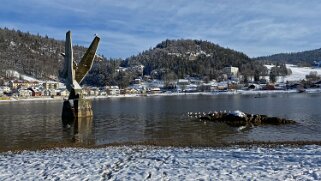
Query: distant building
(231, 71)
(131, 91)
(155, 90)
(15, 84)
(94, 92)
(35, 92)
(12, 74)
(183, 82)
(24, 93)
(112, 90)
(50, 85)
(49, 92)
(62, 92)
(6, 89)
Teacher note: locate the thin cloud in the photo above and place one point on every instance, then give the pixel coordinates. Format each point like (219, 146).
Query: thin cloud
(128, 27)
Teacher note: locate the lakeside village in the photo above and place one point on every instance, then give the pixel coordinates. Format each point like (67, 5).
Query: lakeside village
(24, 87)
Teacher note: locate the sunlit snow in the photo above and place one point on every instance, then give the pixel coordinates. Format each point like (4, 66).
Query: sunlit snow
(159, 163)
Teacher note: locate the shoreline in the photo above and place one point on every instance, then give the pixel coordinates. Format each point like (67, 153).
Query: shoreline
(223, 145)
(236, 92)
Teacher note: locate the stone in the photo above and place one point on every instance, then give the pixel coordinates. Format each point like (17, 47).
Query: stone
(76, 106)
(242, 119)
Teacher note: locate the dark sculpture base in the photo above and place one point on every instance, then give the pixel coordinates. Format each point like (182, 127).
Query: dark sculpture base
(76, 108)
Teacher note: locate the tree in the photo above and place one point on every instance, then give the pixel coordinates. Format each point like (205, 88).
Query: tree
(273, 74)
(168, 78)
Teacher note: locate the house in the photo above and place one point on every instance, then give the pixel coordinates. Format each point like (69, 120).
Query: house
(155, 90)
(5, 89)
(35, 92)
(222, 86)
(137, 81)
(24, 93)
(85, 91)
(50, 85)
(93, 92)
(102, 93)
(15, 84)
(183, 82)
(1, 92)
(191, 88)
(131, 91)
(231, 71)
(49, 92)
(62, 92)
(112, 90)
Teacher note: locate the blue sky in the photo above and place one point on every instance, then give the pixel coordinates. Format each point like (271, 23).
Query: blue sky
(127, 27)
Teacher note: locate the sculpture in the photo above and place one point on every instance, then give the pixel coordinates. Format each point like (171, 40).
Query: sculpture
(73, 74)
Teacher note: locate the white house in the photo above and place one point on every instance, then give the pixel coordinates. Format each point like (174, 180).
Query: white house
(183, 82)
(24, 93)
(49, 92)
(5, 89)
(231, 71)
(113, 90)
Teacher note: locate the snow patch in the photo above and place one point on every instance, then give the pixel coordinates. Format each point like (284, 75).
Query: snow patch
(238, 113)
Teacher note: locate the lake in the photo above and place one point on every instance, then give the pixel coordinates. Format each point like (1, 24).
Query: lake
(159, 120)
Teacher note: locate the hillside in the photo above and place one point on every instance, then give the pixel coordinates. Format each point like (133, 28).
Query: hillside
(39, 57)
(194, 58)
(32, 55)
(304, 58)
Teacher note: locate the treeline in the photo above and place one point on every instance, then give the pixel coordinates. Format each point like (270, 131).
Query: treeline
(40, 57)
(305, 58)
(107, 73)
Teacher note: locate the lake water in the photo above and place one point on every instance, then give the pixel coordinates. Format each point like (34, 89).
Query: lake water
(160, 120)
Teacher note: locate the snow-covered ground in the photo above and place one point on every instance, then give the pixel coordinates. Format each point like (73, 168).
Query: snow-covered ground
(298, 73)
(164, 163)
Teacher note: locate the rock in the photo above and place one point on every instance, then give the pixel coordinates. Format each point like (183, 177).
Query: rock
(238, 118)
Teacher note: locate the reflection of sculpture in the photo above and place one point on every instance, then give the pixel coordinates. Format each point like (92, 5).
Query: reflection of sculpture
(73, 74)
(80, 130)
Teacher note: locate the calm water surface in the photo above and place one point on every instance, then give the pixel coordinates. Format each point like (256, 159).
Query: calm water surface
(159, 120)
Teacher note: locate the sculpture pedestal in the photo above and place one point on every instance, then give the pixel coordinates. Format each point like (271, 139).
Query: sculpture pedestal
(76, 108)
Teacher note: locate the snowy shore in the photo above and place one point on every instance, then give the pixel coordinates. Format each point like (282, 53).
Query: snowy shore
(164, 163)
(238, 92)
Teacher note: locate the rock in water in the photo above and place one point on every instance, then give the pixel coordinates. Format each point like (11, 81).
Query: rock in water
(238, 118)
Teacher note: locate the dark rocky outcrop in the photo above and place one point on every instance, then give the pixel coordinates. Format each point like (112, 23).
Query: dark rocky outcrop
(238, 118)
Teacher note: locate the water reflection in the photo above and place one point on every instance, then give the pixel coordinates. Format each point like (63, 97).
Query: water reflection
(80, 130)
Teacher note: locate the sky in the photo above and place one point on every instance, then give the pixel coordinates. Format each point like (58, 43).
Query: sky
(127, 27)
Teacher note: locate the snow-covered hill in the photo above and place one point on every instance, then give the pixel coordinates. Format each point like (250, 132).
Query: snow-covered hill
(298, 73)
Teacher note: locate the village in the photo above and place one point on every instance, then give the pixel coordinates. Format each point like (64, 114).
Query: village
(23, 87)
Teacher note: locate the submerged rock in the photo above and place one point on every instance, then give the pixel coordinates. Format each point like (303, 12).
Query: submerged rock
(238, 118)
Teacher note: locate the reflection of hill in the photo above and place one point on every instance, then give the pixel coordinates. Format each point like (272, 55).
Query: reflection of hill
(80, 130)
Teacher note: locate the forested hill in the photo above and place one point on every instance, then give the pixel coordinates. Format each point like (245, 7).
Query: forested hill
(194, 58)
(305, 57)
(33, 55)
(40, 57)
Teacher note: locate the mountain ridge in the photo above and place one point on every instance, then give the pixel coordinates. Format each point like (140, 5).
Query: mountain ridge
(307, 57)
